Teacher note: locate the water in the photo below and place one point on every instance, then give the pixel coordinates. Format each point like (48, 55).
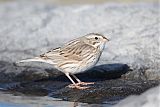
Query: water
(10, 99)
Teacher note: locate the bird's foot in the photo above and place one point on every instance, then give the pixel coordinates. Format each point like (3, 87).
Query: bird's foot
(77, 86)
(85, 83)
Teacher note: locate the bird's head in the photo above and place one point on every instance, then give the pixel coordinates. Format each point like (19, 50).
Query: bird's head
(96, 40)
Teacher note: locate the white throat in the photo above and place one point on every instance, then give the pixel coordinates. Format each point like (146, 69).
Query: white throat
(101, 47)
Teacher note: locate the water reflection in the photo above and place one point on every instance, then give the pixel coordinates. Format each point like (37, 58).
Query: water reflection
(8, 99)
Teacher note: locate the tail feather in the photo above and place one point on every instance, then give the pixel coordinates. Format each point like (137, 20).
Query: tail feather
(36, 59)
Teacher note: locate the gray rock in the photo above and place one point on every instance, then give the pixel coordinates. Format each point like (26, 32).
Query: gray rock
(12, 73)
(151, 98)
(30, 28)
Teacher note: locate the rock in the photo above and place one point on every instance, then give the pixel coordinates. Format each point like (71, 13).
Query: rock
(110, 90)
(10, 72)
(150, 98)
(101, 91)
(30, 28)
(148, 74)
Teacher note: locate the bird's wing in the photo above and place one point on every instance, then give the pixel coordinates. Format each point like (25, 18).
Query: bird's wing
(50, 53)
(72, 52)
(75, 51)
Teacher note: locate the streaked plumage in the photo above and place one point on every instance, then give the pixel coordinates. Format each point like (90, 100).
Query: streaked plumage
(76, 56)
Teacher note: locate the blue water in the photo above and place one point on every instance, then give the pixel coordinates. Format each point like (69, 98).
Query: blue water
(7, 104)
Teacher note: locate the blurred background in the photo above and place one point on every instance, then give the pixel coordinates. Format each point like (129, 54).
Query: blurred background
(69, 2)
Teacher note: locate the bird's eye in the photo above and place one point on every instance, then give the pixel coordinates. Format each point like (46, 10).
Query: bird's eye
(96, 38)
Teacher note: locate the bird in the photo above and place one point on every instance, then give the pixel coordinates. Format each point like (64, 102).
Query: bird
(75, 56)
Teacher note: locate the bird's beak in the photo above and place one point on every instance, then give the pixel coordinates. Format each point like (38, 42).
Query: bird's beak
(106, 39)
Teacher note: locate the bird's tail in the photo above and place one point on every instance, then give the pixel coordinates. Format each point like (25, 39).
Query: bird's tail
(36, 59)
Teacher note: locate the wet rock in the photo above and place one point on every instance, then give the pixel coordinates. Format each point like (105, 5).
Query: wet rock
(102, 90)
(105, 91)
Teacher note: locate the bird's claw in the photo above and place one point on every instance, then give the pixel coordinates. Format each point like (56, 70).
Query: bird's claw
(77, 86)
(85, 83)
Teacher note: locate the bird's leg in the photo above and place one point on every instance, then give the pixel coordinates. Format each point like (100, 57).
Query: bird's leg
(67, 74)
(80, 82)
(74, 85)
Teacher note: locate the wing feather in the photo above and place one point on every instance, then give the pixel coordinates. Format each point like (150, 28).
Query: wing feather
(75, 51)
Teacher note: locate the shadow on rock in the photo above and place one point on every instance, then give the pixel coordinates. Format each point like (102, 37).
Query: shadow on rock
(106, 71)
(98, 73)
(47, 81)
(10, 72)
(13, 76)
